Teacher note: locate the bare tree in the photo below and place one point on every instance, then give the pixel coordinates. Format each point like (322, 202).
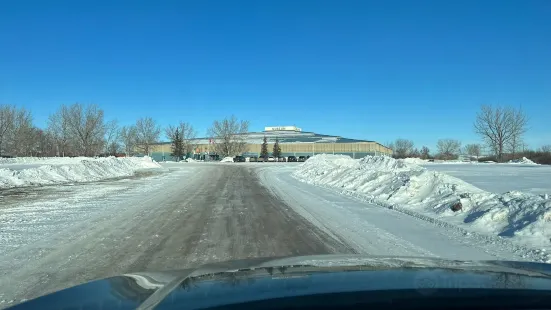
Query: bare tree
(518, 128)
(21, 139)
(546, 148)
(81, 127)
(147, 133)
(229, 136)
(500, 128)
(425, 152)
(113, 148)
(448, 148)
(402, 148)
(473, 150)
(128, 138)
(7, 114)
(524, 146)
(45, 143)
(17, 133)
(187, 135)
(112, 138)
(58, 129)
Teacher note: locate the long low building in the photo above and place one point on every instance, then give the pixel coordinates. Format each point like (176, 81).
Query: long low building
(293, 141)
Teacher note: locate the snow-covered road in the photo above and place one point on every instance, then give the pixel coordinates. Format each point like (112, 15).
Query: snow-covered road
(56, 236)
(190, 214)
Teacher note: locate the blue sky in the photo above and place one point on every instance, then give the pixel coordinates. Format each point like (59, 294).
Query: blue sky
(363, 69)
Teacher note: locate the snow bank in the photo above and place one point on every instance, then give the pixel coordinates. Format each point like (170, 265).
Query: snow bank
(400, 185)
(415, 161)
(67, 170)
(41, 160)
(523, 160)
(227, 160)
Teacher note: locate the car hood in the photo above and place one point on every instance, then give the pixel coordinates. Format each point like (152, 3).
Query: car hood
(251, 279)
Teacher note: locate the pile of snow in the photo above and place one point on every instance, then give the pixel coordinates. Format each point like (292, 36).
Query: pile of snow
(68, 170)
(190, 160)
(412, 189)
(41, 160)
(227, 160)
(523, 160)
(415, 161)
(386, 163)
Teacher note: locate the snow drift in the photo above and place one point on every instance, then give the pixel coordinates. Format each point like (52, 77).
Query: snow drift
(42, 160)
(402, 186)
(523, 160)
(415, 161)
(68, 170)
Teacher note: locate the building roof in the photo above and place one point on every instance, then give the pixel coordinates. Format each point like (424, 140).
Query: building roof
(297, 137)
(286, 136)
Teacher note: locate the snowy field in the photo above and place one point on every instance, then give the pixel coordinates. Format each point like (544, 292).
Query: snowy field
(500, 178)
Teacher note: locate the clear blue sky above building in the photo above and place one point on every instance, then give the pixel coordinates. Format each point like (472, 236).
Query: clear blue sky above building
(374, 70)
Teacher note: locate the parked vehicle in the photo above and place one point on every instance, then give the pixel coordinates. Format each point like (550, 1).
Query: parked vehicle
(292, 159)
(253, 159)
(239, 159)
(271, 158)
(281, 159)
(302, 158)
(261, 159)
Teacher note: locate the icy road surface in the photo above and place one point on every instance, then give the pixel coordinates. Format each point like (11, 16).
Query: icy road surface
(52, 237)
(500, 178)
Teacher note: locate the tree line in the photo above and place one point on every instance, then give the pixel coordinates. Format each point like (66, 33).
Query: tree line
(72, 130)
(17, 131)
(501, 130)
(227, 137)
(83, 130)
(446, 149)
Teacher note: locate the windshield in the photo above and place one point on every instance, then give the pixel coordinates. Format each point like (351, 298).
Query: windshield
(138, 137)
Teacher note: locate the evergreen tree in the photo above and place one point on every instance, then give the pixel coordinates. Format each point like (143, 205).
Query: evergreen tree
(264, 148)
(177, 145)
(277, 149)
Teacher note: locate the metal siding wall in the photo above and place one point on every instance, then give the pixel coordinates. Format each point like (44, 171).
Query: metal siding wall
(286, 148)
(158, 156)
(305, 148)
(161, 148)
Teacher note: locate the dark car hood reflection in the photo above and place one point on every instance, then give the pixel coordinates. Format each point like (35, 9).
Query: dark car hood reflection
(251, 279)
